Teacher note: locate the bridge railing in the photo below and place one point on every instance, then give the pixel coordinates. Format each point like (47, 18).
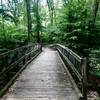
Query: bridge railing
(76, 66)
(13, 61)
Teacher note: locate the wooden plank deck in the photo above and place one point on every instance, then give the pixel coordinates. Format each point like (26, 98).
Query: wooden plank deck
(44, 79)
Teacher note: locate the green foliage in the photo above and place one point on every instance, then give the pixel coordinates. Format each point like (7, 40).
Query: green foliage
(69, 22)
(94, 58)
(12, 27)
(12, 38)
(73, 28)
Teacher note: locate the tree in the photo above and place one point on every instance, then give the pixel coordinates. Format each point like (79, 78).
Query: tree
(38, 19)
(13, 9)
(51, 8)
(29, 24)
(95, 10)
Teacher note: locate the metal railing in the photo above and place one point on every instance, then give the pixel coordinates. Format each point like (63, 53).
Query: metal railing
(11, 62)
(76, 66)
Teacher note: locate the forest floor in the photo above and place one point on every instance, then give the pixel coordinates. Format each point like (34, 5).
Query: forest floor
(93, 95)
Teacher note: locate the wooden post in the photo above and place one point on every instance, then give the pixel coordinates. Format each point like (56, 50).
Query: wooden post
(6, 65)
(84, 80)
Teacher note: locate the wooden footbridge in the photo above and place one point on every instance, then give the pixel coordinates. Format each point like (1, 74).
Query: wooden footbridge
(49, 73)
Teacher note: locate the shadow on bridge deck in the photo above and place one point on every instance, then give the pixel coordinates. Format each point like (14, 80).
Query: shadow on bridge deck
(44, 79)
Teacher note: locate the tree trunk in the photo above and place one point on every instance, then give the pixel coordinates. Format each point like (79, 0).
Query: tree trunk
(3, 21)
(50, 4)
(38, 26)
(29, 24)
(95, 10)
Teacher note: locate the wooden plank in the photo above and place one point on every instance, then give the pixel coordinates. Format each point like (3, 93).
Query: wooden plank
(44, 79)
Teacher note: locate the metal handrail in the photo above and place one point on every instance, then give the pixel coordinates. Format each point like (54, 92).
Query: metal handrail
(77, 67)
(13, 60)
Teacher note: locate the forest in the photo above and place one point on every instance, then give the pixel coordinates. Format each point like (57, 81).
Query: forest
(73, 23)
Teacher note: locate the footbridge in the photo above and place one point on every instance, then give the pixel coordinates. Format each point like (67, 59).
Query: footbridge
(33, 72)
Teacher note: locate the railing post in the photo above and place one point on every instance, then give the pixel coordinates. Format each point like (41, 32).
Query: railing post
(40, 49)
(84, 80)
(6, 65)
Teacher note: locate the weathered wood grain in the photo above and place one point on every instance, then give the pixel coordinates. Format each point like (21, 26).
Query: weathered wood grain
(44, 79)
